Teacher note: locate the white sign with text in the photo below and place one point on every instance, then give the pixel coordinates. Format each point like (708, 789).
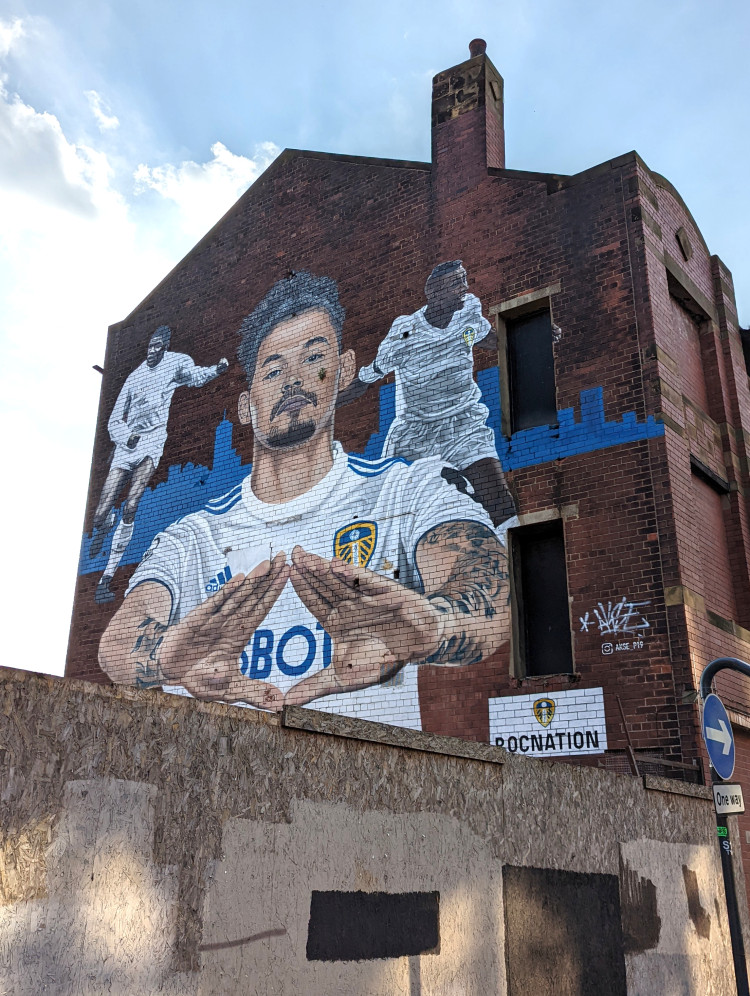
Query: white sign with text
(545, 725)
(728, 799)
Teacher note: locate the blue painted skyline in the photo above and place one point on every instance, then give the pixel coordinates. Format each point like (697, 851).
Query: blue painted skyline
(188, 488)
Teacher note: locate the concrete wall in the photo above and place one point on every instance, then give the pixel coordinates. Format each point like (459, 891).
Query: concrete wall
(151, 843)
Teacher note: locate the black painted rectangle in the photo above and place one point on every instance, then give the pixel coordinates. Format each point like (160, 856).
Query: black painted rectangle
(563, 933)
(353, 926)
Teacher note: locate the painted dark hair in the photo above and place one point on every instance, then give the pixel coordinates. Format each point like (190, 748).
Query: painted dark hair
(164, 332)
(441, 269)
(288, 298)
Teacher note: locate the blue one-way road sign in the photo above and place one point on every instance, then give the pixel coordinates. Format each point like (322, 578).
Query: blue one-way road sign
(717, 732)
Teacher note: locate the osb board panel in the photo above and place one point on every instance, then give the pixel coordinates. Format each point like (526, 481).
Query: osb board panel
(296, 718)
(153, 843)
(550, 919)
(668, 894)
(338, 847)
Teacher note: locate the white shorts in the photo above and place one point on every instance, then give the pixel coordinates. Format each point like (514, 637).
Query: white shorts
(151, 444)
(459, 439)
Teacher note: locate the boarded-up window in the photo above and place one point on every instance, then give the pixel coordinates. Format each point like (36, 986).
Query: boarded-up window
(707, 558)
(563, 933)
(686, 345)
(541, 599)
(745, 339)
(531, 368)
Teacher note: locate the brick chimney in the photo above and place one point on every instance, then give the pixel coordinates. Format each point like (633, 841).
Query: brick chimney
(468, 133)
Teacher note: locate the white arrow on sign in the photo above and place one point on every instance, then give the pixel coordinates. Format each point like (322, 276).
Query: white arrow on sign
(723, 735)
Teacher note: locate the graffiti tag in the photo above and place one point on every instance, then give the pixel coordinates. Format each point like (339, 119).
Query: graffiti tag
(618, 617)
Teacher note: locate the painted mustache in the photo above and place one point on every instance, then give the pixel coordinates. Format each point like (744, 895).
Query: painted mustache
(293, 401)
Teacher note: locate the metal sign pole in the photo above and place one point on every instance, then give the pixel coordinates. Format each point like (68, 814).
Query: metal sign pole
(725, 847)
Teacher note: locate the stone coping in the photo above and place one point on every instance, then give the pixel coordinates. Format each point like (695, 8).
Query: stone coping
(657, 783)
(313, 721)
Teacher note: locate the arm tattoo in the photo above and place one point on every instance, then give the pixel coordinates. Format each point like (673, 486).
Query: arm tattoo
(457, 649)
(480, 571)
(475, 587)
(148, 673)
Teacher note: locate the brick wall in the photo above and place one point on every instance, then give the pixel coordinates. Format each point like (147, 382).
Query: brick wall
(649, 374)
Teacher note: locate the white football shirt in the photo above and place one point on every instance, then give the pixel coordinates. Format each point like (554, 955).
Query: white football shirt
(142, 405)
(434, 367)
(373, 513)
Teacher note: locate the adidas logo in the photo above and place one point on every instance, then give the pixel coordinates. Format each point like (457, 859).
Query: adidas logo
(219, 579)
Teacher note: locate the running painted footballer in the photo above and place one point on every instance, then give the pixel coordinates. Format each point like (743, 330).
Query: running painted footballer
(138, 428)
(438, 407)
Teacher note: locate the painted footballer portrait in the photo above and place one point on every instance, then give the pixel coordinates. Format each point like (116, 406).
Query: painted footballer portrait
(323, 577)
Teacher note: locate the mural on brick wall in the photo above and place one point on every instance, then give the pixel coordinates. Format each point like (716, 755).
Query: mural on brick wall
(319, 575)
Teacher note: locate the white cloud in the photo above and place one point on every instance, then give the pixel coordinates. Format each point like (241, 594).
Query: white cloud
(37, 160)
(10, 32)
(100, 109)
(71, 262)
(203, 192)
(74, 258)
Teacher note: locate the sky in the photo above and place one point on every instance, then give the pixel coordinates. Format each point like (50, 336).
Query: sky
(128, 127)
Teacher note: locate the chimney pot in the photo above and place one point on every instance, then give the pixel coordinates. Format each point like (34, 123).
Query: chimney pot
(477, 47)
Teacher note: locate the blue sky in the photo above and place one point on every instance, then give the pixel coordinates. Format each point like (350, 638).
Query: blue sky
(128, 127)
